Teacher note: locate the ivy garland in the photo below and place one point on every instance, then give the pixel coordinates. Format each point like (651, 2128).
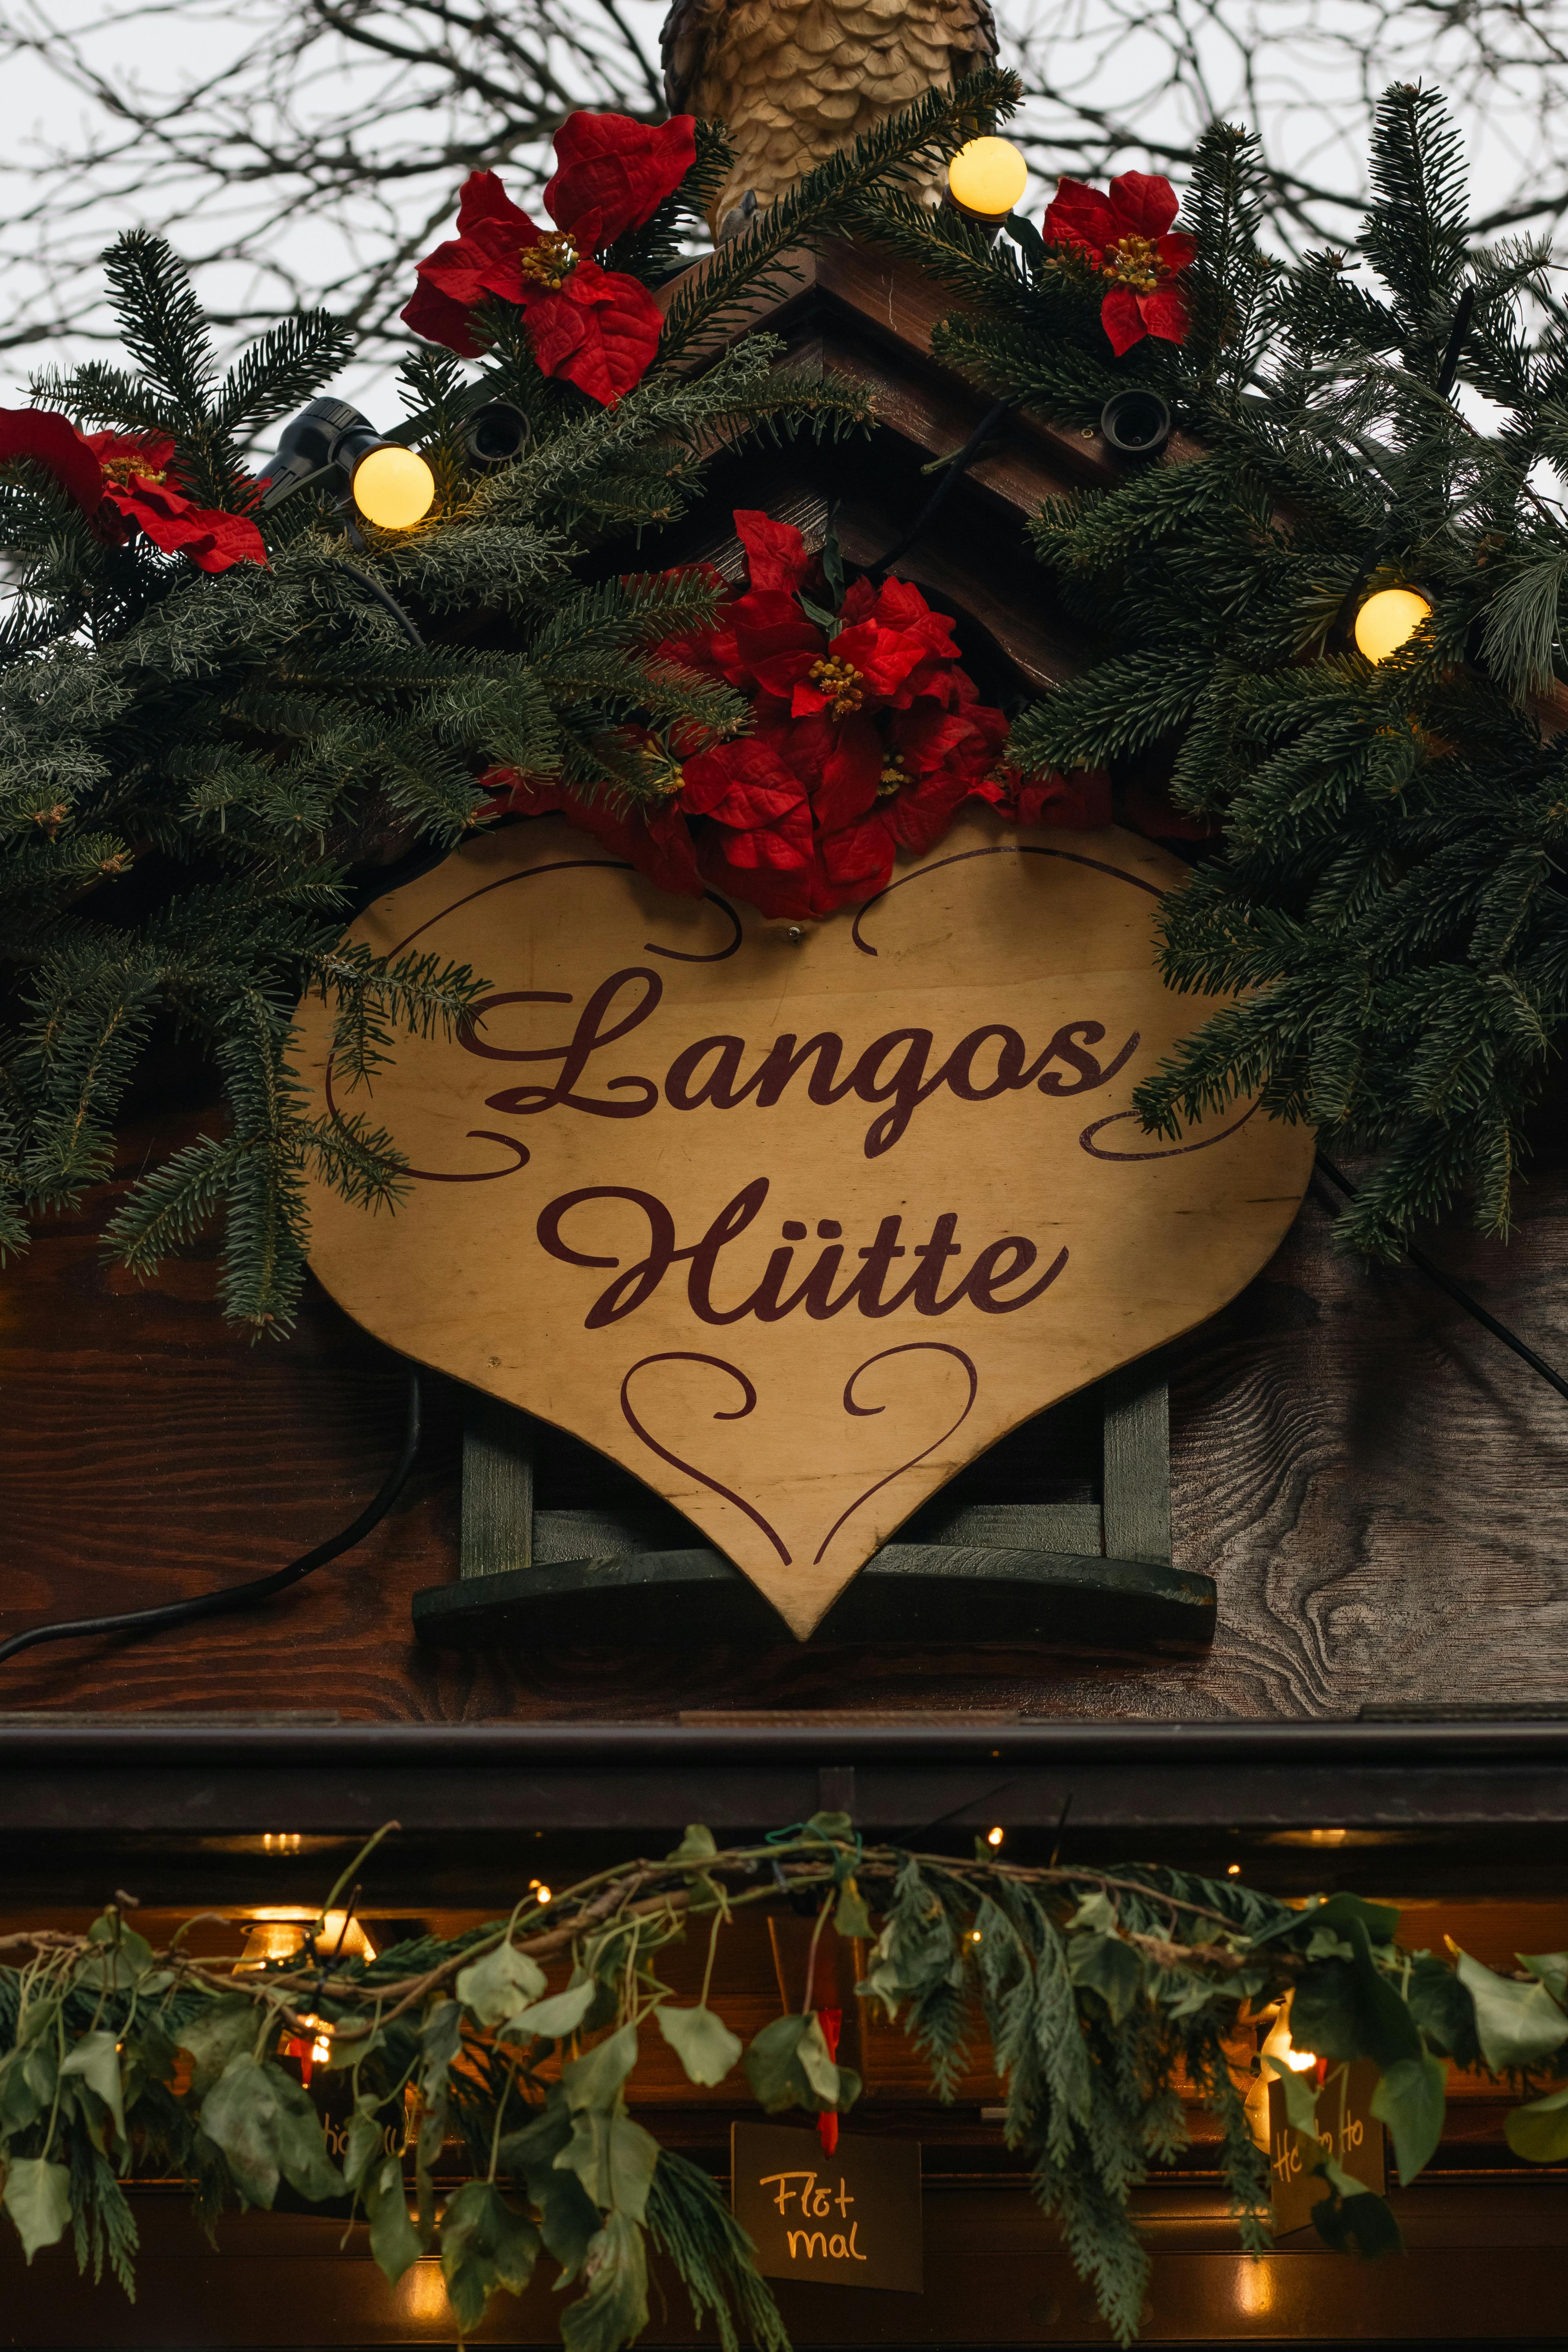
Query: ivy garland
(1106, 1998)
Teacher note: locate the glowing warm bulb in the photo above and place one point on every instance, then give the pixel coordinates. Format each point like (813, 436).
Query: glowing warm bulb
(393, 488)
(994, 1837)
(1389, 620)
(1233, 1870)
(987, 178)
(540, 1892)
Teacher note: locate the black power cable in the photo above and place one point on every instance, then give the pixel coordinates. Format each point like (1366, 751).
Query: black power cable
(1456, 1291)
(258, 1588)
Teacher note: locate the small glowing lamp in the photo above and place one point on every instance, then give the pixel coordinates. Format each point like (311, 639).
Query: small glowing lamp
(1278, 2045)
(1389, 620)
(279, 1934)
(995, 1837)
(393, 488)
(987, 178)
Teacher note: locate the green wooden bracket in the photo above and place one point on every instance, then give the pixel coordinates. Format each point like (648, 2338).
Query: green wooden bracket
(1086, 1574)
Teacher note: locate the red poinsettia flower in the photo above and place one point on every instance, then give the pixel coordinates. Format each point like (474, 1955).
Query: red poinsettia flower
(597, 328)
(1128, 236)
(120, 478)
(867, 736)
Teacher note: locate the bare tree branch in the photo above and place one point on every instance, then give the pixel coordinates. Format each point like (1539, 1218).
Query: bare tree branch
(304, 151)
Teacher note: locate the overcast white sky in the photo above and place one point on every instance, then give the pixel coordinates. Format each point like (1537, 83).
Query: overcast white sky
(1304, 70)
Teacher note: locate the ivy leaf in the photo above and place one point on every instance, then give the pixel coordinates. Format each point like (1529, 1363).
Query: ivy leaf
(500, 1984)
(883, 1980)
(839, 1827)
(37, 2198)
(365, 2138)
(852, 1918)
(1411, 2098)
(560, 2014)
(594, 2081)
(97, 2061)
(1111, 1968)
(1444, 2011)
(1357, 2219)
(1552, 1967)
(26, 2085)
(816, 2061)
(613, 2311)
(267, 2128)
(1096, 1912)
(211, 2040)
(1540, 2132)
(117, 1960)
(484, 2246)
(567, 2214)
(697, 1845)
(1381, 1920)
(1515, 2023)
(773, 2067)
(613, 2158)
(394, 2242)
(702, 2041)
(1349, 2009)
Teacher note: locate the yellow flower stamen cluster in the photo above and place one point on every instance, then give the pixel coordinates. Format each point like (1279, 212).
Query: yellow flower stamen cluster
(1135, 262)
(126, 470)
(895, 776)
(843, 681)
(552, 261)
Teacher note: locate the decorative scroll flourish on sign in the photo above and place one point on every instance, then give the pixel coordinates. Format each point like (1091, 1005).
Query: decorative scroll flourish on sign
(681, 1160)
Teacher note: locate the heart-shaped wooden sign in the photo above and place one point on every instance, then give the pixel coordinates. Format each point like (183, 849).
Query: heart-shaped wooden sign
(794, 1225)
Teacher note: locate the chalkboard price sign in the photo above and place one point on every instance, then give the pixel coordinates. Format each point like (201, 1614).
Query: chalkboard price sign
(851, 2218)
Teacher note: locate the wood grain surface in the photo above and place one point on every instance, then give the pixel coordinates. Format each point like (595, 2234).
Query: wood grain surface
(1379, 1490)
(796, 1404)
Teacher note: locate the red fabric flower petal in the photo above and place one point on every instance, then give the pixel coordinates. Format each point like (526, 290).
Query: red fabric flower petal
(599, 332)
(1080, 216)
(1143, 203)
(747, 789)
(1177, 251)
(52, 441)
(775, 643)
(1122, 316)
(857, 859)
(441, 319)
(775, 551)
(1166, 313)
(482, 201)
(657, 843)
(621, 169)
(1080, 801)
(213, 540)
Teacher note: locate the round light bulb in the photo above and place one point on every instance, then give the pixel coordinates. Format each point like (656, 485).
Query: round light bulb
(987, 178)
(1389, 620)
(393, 488)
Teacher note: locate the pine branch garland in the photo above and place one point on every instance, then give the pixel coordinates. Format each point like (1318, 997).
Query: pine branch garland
(1111, 2000)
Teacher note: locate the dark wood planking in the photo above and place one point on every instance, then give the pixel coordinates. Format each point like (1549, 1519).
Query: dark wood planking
(1380, 1491)
(1483, 2266)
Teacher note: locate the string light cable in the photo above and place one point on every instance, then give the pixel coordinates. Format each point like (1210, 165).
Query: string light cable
(1445, 1282)
(229, 1597)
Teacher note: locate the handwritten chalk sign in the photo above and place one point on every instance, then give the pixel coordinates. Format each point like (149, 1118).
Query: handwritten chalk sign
(795, 1227)
(851, 2218)
(1347, 2130)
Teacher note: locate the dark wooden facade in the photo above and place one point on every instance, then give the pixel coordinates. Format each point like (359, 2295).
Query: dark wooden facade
(1379, 1491)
